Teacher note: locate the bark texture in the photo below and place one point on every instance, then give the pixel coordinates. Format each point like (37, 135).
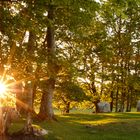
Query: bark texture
(46, 109)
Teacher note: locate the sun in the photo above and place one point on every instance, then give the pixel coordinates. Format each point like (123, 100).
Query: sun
(2, 89)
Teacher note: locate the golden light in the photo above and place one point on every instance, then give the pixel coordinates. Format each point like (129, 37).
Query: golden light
(2, 89)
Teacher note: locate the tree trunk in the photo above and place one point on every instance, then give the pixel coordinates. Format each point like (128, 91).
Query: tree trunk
(67, 108)
(1, 120)
(28, 126)
(131, 99)
(112, 99)
(19, 95)
(97, 110)
(128, 102)
(34, 93)
(117, 94)
(122, 105)
(46, 109)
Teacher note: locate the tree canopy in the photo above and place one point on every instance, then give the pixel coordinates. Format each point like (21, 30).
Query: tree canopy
(70, 50)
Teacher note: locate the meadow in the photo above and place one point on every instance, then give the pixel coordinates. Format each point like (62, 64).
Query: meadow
(88, 126)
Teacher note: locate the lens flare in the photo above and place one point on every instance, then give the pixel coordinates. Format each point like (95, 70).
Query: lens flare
(2, 89)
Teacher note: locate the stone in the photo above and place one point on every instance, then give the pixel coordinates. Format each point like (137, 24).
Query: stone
(39, 131)
(103, 107)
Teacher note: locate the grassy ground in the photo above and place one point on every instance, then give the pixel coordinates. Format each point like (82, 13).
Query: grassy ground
(107, 126)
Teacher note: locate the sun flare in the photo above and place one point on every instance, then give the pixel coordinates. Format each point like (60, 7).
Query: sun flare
(2, 89)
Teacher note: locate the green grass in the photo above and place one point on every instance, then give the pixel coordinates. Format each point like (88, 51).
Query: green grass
(106, 126)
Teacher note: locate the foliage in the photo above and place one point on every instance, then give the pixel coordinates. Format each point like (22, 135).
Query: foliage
(96, 42)
(68, 92)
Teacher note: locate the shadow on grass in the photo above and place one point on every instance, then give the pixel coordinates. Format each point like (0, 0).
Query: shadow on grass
(108, 122)
(102, 126)
(121, 126)
(100, 116)
(21, 137)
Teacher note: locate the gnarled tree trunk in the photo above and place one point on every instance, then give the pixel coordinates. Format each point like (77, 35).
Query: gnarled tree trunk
(46, 109)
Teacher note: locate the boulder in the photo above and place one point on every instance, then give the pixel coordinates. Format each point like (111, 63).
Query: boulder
(138, 106)
(39, 131)
(103, 107)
